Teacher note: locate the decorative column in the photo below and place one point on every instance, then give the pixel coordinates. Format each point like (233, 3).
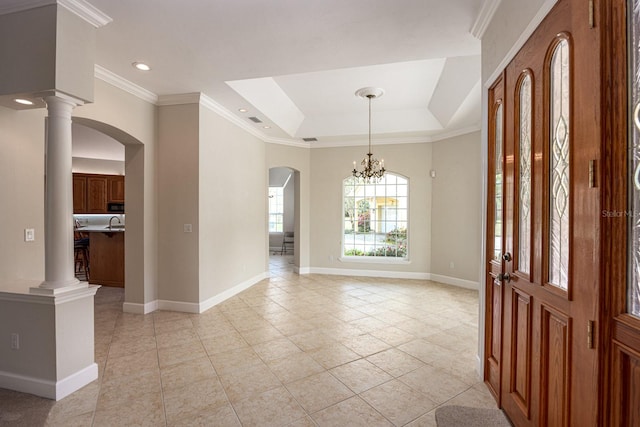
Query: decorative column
(58, 228)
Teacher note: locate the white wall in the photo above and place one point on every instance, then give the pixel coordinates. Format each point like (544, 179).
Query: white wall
(288, 221)
(457, 211)
(331, 166)
(232, 206)
(511, 20)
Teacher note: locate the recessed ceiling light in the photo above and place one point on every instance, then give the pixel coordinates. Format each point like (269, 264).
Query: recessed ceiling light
(242, 110)
(23, 101)
(266, 127)
(141, 66)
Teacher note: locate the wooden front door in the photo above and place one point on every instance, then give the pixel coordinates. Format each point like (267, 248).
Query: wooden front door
(543, 214)
(621, 218)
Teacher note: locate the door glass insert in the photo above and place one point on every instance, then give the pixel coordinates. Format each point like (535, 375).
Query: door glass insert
(497, 246)
(524, 212)
(633, 300)
(559, 167)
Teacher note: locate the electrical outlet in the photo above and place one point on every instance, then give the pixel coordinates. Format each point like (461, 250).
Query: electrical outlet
(29, 234)
(187, 228)
(452, 265)
(15, 341)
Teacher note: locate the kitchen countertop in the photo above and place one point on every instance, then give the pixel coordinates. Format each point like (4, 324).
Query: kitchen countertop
(99, 229)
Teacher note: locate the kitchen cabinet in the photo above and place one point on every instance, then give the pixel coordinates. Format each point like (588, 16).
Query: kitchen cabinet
(115, 189)
(96, 194)
(106, 258)
(79, 193)
(92, 192)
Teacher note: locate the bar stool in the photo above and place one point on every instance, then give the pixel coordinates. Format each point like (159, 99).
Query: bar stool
(81, 255)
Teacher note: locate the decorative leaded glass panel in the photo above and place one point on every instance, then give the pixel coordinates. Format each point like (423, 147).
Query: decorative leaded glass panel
(524, 220)
(497, 246)
(559, 167)
(633, 301)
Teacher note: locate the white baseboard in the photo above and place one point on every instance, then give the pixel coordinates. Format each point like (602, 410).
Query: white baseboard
(47, 388)
(368, 273)
(223, 296)
(130, 307)
(301, 270)
(461, 283)
(192, 307)
(479, 367)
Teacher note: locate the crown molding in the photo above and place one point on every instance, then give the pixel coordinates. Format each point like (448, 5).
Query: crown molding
(87, 11)
(121, 83)
(488, 10)
(381, 140)
(179, 99)
(81, 8)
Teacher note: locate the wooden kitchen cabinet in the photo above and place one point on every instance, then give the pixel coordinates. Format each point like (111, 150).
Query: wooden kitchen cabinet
(106, 258)
(79, 194)
(92, 192)
(115, 189)
(96, 194)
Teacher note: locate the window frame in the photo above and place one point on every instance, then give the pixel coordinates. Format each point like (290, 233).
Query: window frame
(281, 214)
(376, 259)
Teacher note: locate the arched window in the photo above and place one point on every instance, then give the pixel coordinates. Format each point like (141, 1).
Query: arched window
(376, 217)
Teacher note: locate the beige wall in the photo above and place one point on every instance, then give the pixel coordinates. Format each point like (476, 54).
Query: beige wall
(133, 122)
(178, 184)
(457, 211)
(331, 166)
(21, 193)
(232, 211)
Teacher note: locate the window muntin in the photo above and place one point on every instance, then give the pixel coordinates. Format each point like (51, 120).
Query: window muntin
(276, 209)
(376, 217)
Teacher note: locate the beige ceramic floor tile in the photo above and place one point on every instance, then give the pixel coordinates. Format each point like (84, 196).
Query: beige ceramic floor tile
(477, 396)
(183, 374)
(182, 353)
(360, 375)
(222, 343)
(174, 325)
(176, 338)
(250, 381)
(333, 355)
(365, 345)
(223, 416)
(434, 383)
(233, 360)
(147, 410)
(353, 412)
(193, 398)
(133, 363)
(294, 367)
(395, 362)
(130, 345)
(398, 402)
(319, 391)
(121, 390)
(276, 349)
(260, 335)
(427, 420)
(393, 336)
(275, 407)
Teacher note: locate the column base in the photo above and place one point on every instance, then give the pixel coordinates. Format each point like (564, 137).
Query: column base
(53, 288)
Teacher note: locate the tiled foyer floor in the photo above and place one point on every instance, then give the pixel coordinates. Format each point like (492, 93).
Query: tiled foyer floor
(291, 350)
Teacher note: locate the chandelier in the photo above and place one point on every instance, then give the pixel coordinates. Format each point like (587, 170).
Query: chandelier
(372, 168)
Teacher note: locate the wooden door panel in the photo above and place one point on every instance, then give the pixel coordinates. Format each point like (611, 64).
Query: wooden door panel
(555, 368)
(521, 351)
(628, 371)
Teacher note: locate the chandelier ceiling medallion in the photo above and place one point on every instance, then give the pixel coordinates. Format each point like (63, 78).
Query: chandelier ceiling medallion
(372, 168)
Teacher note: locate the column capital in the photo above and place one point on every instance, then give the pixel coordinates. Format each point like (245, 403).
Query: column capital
(59, 106)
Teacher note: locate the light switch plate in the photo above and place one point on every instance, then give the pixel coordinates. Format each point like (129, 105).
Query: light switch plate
(29, 235)
(187, 228)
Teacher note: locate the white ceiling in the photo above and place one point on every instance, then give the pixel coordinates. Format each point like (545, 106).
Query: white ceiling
(296, 64)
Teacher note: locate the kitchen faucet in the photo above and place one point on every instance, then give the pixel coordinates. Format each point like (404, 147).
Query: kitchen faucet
(111, 219)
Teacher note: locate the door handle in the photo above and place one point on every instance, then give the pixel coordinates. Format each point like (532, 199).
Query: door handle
(504, 277)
